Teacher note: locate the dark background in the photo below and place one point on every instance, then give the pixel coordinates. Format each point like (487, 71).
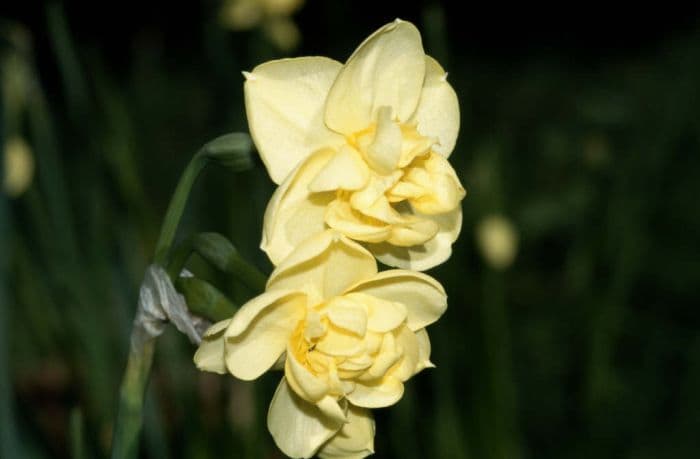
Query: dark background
(580, 124)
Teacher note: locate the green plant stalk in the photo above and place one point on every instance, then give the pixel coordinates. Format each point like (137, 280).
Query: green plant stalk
(125, 441)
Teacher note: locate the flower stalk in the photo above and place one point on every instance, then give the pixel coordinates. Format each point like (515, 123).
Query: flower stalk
(232, 151)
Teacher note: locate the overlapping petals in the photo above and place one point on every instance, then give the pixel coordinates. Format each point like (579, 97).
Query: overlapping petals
(360, 153)
(361, 148)
(349, 336)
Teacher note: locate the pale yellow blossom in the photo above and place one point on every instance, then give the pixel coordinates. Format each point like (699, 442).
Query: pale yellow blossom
(497, 240)
(361, 148)
(272, 15)
(348, 337)
(18, 166)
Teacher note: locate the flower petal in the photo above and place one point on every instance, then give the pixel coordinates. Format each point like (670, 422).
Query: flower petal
(346, 170)
(284, 103)
(382, 316)
(423, 350)
(326, 264)
(424, 298)
(385, 150)
(210, 355)
(384, 392)
(342, 217)
(260, 330)
(298, 427)
(387, 69)
(355, 440)
(330, 408)
(348, 315)
(427, 255)
(437, 114)
(304, 383)
(430, 185)
(294, 213)
(410, 348)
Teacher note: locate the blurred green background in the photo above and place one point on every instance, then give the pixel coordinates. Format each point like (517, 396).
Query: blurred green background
(580, 128)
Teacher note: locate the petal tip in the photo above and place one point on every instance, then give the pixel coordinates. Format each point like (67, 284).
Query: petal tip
(248, 76)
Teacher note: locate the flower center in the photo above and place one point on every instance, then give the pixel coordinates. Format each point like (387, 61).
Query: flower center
(407, 184)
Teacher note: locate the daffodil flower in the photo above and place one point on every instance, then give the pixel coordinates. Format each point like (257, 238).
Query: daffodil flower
(361, 148)
(347, 336)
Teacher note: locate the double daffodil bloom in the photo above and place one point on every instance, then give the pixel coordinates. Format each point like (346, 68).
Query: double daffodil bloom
(361, 148)
(347, 336)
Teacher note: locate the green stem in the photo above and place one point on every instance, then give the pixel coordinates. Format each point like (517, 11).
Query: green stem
(125, 441)
(177, 206)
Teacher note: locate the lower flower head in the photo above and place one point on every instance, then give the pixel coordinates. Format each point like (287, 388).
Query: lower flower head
(348, 335)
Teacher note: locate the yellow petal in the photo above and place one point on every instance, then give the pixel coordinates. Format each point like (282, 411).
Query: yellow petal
(414, 232)
(298, 427)
(355, 440)
(387, 69)
(423, 350)
(343, 218)
(371, 200)
(346, 170)
(326, 264)
(305, 384)
(340, 343)
(424, 298)
(284, 103)
(439, 189)
(330, 408)
(388, 355)
(427, 255)
(294, 213)
(348, 315)
(210, 355)
(410, 347)
(437, 114)
(385, 150)
(383, 393)
(260, 330)
(382, 316)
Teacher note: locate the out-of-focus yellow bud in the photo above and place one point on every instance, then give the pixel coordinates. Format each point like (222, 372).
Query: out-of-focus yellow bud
(241, 14)
(497, 240)
(272, 15)
(282, 32)
(19, 166)
(281, 7)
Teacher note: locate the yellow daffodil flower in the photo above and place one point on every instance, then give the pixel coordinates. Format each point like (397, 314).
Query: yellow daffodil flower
(361, 148)
(347, 336)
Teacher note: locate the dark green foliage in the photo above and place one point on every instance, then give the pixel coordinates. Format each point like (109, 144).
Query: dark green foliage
(587, 347)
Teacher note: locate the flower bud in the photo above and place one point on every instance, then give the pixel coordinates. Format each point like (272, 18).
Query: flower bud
(497, 240)
(231, 150)
(204, 299)
(18, 166)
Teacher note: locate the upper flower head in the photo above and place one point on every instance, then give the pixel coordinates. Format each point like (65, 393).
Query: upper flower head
(348, 335)
(361, 148)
